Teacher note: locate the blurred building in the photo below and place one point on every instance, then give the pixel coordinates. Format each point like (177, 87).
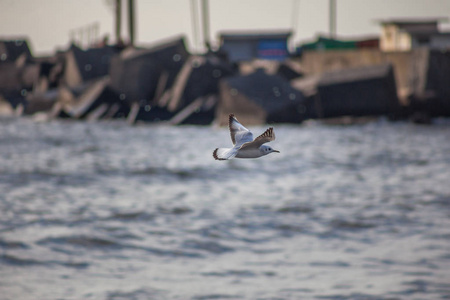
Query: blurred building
(323, 43)
(245, 46)
(407, 34)
(10, 50)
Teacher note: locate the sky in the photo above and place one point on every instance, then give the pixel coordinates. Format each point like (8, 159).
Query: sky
(48, 23)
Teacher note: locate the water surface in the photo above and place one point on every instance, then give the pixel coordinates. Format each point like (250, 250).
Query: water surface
(112, 211)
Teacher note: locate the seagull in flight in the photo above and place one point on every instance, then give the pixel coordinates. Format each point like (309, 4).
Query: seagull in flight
(244, 144)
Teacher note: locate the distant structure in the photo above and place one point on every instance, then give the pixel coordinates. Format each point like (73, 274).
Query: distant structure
(408, 34)
(323, 43)
(332, 18)
(245, 46)
(85, 36)
(10, 50)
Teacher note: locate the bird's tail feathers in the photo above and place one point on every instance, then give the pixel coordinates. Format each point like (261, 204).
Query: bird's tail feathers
(224, 153)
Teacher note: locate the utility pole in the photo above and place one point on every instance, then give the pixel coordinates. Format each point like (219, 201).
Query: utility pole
(194, 19)
(118, 20)
(332, 15)
(131, 29)
(294, 21)
(205, 15)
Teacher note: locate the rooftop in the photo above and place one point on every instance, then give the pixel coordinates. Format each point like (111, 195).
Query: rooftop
(257, 34)
(412, 21)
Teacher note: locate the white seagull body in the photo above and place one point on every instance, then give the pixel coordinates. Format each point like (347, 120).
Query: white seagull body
(244, 144)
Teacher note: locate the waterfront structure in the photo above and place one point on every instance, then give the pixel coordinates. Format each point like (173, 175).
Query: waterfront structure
(408, 34)
(245, 46)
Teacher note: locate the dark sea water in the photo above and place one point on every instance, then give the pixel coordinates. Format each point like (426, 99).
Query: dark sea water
(112, 211)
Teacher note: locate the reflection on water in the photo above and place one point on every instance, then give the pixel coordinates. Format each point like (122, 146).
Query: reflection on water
(109, 211)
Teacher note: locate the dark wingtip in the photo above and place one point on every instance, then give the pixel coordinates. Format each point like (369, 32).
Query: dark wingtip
(215, 154)
(268, 132)
(230, 118)
(216, 157)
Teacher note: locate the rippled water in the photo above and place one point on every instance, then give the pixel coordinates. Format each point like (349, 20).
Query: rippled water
(110, 211)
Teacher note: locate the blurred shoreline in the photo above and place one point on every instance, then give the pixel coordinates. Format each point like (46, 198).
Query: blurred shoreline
(165, 83)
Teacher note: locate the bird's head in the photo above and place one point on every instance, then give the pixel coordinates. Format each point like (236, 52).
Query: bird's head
(267, 149)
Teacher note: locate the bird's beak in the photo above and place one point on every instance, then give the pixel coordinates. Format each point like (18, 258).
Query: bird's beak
(276, 151)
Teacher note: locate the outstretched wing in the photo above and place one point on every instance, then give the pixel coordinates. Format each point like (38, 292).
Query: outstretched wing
(239, 134)
(267, 136)
(224, 153)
